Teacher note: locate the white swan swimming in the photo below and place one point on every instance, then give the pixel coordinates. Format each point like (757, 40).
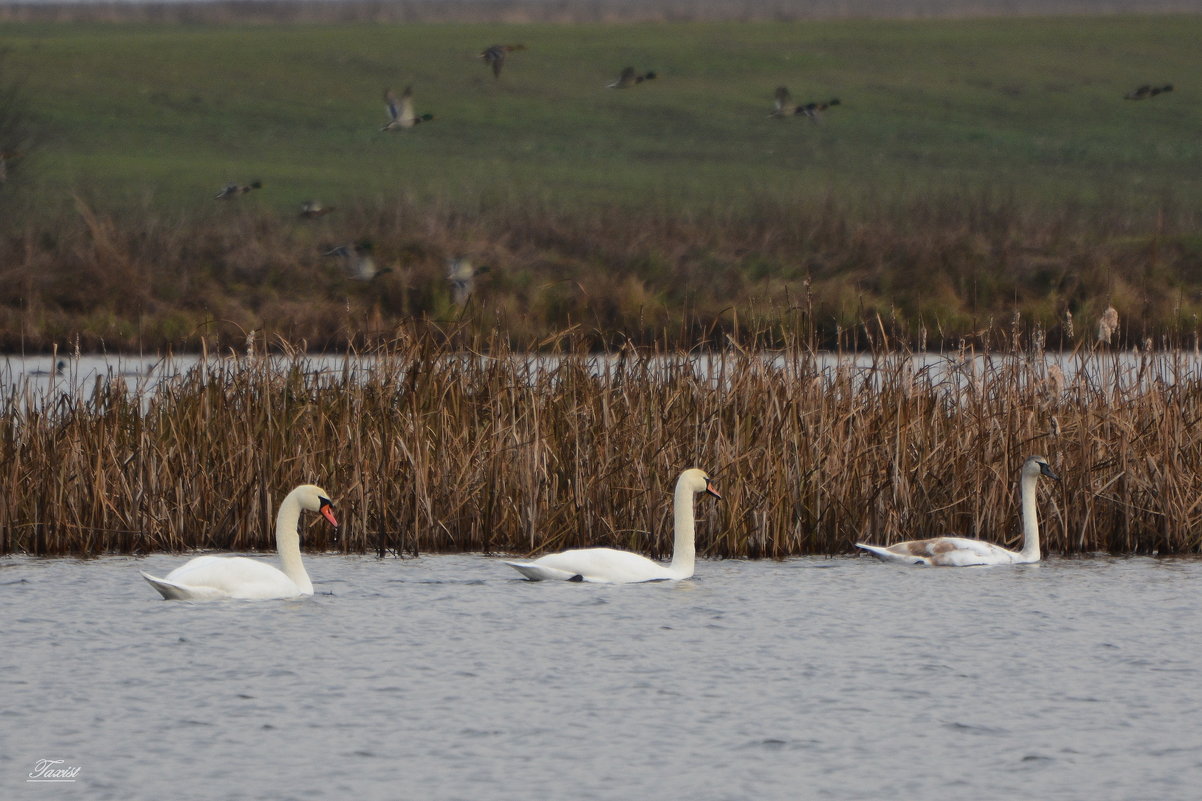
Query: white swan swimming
(609, 566)
(207, 578)
(964, 552)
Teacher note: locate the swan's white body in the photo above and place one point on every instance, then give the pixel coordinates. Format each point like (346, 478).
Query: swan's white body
(602, 566)
(949, 552)
(208, 578)
(964, 552)
(609, 566)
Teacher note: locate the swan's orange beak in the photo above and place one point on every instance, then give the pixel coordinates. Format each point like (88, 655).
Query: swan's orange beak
(327, 511)
(711, 489)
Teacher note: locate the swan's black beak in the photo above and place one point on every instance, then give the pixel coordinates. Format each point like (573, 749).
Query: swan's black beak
(1047, 471)
(327, 511)
(711, 489)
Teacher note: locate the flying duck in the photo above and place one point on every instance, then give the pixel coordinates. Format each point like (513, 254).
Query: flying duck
(630, 78)
(401, 111)
(234, 190)
(357, 262)
(494, 56)
(1146, 91)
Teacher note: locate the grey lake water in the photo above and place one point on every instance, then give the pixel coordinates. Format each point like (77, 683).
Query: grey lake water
(35, 379)
(447, 677)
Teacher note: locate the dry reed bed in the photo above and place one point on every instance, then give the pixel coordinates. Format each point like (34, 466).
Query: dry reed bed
(434, 450)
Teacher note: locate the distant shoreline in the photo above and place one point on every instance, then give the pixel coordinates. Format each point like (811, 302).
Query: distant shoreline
(564, 11)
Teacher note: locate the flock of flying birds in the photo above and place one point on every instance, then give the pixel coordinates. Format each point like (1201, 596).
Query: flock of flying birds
(356, 258)
(401, 114)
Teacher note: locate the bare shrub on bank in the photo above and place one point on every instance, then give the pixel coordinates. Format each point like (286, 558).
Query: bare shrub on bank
(936, 269)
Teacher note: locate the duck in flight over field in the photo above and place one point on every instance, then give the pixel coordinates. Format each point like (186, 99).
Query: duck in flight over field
(357, 262)
(630, 78)
(234, 190)
(965, 552)
(785, 107)
(401, 111)
(495, 55)
(1147, 91)
(312, 209)
(610, 566)
(208, 578)
(814, 110)
(461, 274)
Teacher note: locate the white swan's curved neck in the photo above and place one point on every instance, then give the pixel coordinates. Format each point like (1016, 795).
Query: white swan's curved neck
(287, 543)
(1030, 551)
(684, 549)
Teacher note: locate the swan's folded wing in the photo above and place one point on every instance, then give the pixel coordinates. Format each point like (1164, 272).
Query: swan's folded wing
(536, 572)
(895, 553)
(179, 592)
(209, 577)
(963, 552)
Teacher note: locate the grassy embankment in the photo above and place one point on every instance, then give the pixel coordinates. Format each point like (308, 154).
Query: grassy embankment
(431, 451)
(975, 167)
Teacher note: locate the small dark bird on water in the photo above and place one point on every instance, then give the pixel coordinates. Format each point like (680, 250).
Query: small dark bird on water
(60, 368)
(494, 56)
(234, 190)
(630, 78)
(1147, 91)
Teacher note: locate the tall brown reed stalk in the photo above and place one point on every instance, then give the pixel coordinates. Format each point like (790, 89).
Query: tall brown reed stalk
(444, 441)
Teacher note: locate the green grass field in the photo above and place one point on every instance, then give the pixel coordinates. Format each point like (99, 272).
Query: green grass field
(973, 169)
(1029, 107)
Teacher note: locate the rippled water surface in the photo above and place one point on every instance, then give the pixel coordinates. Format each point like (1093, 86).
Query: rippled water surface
(447, 678)
(42, 376)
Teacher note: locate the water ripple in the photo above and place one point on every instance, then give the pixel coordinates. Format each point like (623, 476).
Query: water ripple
(442, 678)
